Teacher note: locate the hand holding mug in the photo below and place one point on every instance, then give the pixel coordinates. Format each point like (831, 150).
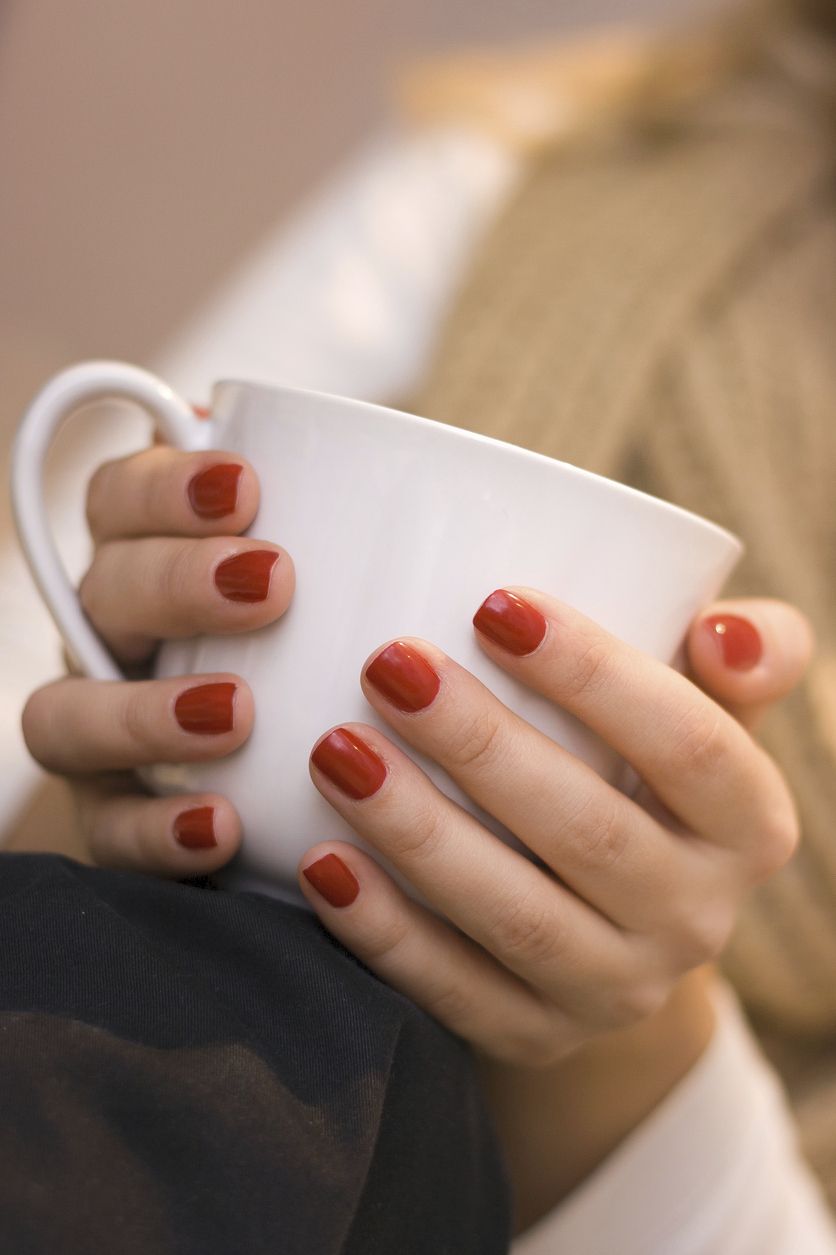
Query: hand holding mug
(524, 958)
(397, 524)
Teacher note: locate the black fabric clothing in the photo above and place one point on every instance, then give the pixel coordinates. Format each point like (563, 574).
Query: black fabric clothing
(197, 1072)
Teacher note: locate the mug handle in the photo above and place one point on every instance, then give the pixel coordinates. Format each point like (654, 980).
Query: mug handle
(65, 393)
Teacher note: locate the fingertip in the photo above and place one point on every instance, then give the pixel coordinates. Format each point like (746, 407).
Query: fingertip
(205, 827)
(330, 874)
(222, 491)
(750, 649)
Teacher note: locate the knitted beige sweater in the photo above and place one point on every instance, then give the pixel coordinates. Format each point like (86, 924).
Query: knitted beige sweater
(661, 309)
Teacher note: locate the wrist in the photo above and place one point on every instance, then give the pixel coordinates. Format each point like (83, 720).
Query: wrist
(558, 1124)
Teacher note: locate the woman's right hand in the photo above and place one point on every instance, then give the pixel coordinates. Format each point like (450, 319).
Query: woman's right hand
(169, 562)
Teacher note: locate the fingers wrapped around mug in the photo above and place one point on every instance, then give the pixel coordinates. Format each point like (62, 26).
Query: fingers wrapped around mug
(617, 902)
(76, 726)
(167, 492)
(138, 592)
(179, 837)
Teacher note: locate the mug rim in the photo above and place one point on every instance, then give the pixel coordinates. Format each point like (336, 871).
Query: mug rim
(454, 432)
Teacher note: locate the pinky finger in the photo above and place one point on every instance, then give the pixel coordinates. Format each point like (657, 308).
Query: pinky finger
(425, 958)
(171, 836)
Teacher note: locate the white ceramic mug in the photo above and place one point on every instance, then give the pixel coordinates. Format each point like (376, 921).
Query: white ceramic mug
(397, 526)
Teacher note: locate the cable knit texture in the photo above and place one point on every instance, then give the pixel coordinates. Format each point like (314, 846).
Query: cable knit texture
(660, 309)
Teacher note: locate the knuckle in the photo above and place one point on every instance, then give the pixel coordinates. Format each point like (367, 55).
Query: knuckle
(779, 836)
(451, 1003)
(90, 588)
(781, 826)
(587, 672)
(138, 724)
(603, 835)
(97, 498)
(475, 743)
(699, 744)
(382, 942)
(526, 932)
(97, 834)
(176, 572)
(702, 931)
(635, 1001)
(419, 837)
(36, 724)
(537, 1041)
(182, 586)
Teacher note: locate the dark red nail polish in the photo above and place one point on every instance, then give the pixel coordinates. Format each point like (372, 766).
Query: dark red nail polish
(330, 877)
(195, 828)
(404, 677)
(246, 576)
(206, 709)
(509, 621)
(349, 763)
(738, 639)
(213, 493)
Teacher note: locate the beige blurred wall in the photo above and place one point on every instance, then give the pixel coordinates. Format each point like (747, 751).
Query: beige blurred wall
(145, 144)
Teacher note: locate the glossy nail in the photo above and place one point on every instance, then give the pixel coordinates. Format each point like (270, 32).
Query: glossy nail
(195, 828)
(349, 763)
(213, 493)
(246, 576)
(206, 709)
(739, 640)
(403, 677)
(330, 877)
(509, 621)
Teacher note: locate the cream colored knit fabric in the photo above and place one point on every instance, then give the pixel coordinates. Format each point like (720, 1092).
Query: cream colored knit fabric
(661, 309)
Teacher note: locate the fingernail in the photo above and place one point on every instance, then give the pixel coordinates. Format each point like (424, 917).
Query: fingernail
(213, 493)
(349, 763)
(195, 828)
(738, 639)
(246, 576)
(509, 621)
(403, 677)
(330, 877)
(206, 709)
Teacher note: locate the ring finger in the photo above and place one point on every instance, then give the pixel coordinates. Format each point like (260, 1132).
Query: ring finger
(116, 725)
(534, 925)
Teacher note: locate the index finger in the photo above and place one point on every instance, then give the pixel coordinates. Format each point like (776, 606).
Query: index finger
(695, 757)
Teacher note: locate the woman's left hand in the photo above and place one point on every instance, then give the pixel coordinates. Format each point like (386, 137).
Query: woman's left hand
(529, 960)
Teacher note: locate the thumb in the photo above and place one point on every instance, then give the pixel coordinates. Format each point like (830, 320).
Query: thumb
(748, 653)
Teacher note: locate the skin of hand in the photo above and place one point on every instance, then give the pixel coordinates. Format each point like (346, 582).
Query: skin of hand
(551, 969)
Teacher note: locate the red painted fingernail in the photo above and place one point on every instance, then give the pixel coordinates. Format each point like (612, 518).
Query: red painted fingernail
(206, 709)
(738, 639)
(195, 828)
(246, 576)
(330, 877)
(349, 763)
(404, 677)
(509, 621)
(201, 411)
(213, 493)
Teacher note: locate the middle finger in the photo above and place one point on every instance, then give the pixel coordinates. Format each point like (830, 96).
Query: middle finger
(595, 838)
(139, 591)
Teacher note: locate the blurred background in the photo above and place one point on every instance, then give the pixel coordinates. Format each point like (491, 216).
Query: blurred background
(147, 147)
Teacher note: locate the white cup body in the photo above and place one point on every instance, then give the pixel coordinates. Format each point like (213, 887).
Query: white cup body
(401, 526)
